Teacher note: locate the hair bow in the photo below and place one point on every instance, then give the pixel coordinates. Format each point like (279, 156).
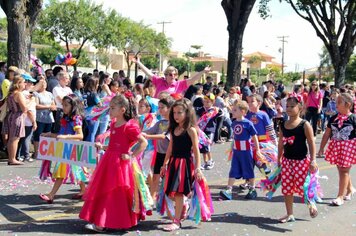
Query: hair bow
(289, 140)
(128, 94)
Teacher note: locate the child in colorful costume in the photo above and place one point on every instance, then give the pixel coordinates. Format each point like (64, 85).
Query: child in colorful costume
(71, 128)
(178, 167)
(341, 150)
(294, 158)
(266, 137)
(112, 199)
(207, 123)
(242, 164)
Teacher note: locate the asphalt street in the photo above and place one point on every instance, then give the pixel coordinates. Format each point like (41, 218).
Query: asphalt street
(23, 213)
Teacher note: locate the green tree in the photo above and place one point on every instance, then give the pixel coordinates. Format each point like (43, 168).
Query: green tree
(325, 67)
(3, 51)
(200, 65)
(150, 61)
(334, 22)
(77, 20)
(21, 17)
(48, 54)
(43, 37)
(104, 57)
(84, 60)
(181, 64)
(3, 26)
(351, 69)
(135, 37)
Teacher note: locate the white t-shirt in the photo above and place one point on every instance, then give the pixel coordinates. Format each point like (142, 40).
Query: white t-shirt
(59, 91)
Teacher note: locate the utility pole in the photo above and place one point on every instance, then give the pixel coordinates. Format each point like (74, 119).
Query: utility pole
(282, 50)
(160, 55)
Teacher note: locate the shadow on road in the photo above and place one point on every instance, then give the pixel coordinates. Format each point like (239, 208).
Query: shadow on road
(261, 222)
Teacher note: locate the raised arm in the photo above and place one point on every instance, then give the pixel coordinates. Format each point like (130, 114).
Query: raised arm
(147, 71)
(198, 76)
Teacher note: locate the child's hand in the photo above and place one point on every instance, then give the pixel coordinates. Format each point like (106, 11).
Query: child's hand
(259, 155)
(313, 166)
(162, 171)
(49, 135)
(99, 146)
(321, 152)
(198, 174)
(125, 157)
(61, 136)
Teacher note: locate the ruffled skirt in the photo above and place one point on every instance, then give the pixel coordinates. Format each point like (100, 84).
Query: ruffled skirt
(341, 152)
(179, 176)
(110, 194)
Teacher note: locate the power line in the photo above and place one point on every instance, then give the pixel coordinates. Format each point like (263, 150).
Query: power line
(163, 24)
(282, 50)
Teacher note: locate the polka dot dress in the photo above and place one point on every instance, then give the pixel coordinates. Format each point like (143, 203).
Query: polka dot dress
(294, 173)
(341, 152)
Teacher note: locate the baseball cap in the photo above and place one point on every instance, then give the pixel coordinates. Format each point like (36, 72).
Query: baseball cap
(28, 78)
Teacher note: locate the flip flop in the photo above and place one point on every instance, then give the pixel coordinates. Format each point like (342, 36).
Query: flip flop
(45, 198)
(15, 163)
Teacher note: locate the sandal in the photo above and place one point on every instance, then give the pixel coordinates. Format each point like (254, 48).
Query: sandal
(173, 227)
(77, 196)
(349, 196)
(337, 202)
(313, 211)
(45, 198)
(286, 219)
(95, 228)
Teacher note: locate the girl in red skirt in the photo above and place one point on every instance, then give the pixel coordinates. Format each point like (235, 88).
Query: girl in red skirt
(178, 166)
(109, 197)
(341, 150)
(293, 156)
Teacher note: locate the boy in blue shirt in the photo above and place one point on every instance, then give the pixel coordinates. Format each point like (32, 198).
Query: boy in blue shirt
(242, 164)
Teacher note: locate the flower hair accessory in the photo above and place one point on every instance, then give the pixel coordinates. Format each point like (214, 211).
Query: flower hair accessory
(128, 94)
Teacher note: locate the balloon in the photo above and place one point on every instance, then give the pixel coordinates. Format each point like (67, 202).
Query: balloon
(73, 61)
(69, 55)
(60, 59)
(67, 61)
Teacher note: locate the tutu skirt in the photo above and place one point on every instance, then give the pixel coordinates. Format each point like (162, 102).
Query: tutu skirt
(69, 173)
(341, 152)
(179, 176)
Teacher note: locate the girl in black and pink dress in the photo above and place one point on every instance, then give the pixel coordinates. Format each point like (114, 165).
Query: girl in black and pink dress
(341, 150)
(293, 156)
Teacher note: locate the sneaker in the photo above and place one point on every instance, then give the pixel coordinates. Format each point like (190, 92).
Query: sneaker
(204, 166)
(226, 194)
(244, 186)
(252, 194)
(210, 165)
(29, 159)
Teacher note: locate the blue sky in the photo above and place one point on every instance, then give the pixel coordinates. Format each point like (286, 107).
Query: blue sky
(203, 22)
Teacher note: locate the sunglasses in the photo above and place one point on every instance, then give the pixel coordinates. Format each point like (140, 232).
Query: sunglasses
(172, 74)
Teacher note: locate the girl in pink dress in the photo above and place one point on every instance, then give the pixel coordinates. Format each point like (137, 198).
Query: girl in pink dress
(109, 197)
(341, 151)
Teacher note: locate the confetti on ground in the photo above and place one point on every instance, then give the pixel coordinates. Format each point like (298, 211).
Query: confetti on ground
(19, 183)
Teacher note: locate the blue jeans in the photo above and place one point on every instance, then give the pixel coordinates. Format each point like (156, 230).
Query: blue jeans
(92, 129)
(103, 125)
(41, 128)
(24, 143)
